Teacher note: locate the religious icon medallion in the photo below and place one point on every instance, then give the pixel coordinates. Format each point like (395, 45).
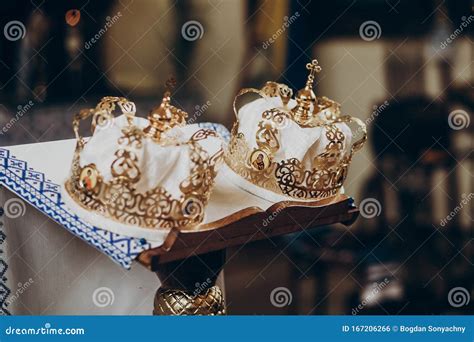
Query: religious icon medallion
(89, 177)
(259, 160)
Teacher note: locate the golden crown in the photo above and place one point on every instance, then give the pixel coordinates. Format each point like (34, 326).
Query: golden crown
(118, 198)
(291, 176)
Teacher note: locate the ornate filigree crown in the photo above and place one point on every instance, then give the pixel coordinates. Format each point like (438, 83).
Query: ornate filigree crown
(293, 147)
(155, 173)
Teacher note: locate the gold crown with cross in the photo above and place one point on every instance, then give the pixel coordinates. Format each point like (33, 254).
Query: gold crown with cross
(296, 147)
(128, 152)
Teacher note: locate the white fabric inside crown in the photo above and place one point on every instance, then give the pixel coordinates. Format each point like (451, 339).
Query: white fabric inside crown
(303, 144)
(164, 166)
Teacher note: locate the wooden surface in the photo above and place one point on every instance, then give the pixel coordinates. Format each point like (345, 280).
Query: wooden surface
(250, 224)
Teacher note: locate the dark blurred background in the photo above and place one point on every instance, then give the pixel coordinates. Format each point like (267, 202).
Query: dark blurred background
(404, 67)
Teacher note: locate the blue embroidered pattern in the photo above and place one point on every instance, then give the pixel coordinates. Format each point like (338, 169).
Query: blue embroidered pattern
(33, 187)
(4, 290)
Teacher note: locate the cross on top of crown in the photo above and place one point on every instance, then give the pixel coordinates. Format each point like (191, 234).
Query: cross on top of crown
(313, 68)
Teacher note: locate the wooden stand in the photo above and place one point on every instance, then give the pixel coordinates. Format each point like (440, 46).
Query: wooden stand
(189, 262)
(188, 286)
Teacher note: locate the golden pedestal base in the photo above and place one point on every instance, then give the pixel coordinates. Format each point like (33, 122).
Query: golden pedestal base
(178, 302)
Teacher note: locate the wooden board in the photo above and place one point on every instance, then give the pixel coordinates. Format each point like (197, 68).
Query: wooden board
(250, 224)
